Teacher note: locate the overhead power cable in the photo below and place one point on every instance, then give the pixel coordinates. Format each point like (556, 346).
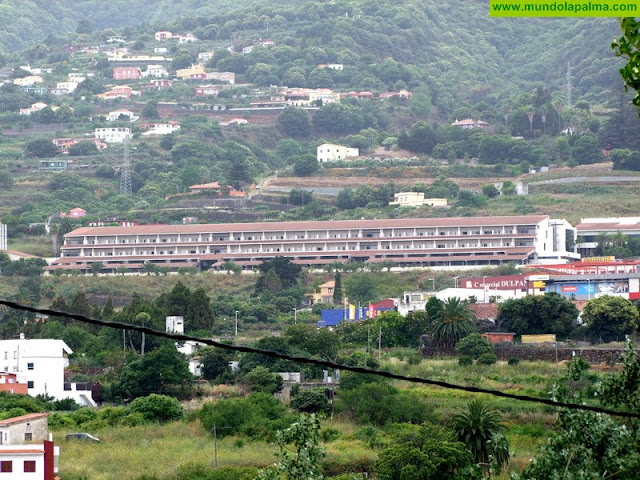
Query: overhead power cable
(313, 361)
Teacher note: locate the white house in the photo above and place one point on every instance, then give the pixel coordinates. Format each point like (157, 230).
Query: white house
(29, 462)
(41, 363)
(69, 86)
(117, 115)
(112, 134)
(157, 71)
(328, 152)
(162, 128)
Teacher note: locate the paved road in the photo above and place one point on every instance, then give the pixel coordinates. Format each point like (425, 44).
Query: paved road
(588, 180)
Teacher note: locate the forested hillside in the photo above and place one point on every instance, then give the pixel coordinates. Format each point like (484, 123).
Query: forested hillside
(452, 49)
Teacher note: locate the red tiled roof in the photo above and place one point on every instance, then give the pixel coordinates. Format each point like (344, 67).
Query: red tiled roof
(23, 418)
(203, 186)
(484, 311)
(312, 225)
(613, 226)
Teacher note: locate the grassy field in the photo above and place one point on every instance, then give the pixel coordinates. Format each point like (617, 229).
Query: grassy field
(161, 450)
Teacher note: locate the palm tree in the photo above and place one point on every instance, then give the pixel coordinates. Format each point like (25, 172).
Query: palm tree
(452, 322)
(480, 429)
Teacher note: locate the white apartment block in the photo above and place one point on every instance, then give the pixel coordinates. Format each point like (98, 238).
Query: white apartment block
(415, 242)
(40, 363)
(328, 152)
(112, 134)
(590, 230)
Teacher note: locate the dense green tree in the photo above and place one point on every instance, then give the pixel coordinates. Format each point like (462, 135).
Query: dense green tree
(81, 149)
(311, 401)
(337, 289)
(41, 148)
(591, 445)
(305, 166)
(157, 408)
(300, 452)
(453, 322)
(537, 314)
(260, 379)
(295, 122)
(150, 110)
(610, 318)
(215, 362)
(360, 288)
(155, 372)
(286, 272)
(586, 150)
(474, 345)
(427, 452)
(490, 190)
(481, 430)
(421, 138)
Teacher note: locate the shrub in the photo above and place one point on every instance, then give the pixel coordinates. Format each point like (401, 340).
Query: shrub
(157, 408)
(84, 415)
(465, 361)
(311, 401)
(133, 420)
(513, 361)
(487, 359)
(474, 345)
(60, 421)
(260, 379)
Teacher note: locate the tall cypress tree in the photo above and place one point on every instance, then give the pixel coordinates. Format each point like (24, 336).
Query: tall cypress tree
(337, 289)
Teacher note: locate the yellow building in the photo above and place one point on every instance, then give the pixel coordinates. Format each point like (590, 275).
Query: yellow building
(325, 295)
(192, 70)
(416, 199)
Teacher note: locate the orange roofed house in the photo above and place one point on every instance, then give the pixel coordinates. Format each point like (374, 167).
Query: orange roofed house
(325, 295)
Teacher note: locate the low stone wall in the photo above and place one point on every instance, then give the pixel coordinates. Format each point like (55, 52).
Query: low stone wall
(552, 354)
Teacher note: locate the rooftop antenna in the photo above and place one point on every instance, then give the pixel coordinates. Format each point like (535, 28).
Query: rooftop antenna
(569, 102)
(125, 175)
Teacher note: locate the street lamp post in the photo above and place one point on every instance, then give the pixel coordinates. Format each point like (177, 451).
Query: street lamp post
(588, 289)
(295, 315)
(456, 280)
(433, 283)
(236, 323)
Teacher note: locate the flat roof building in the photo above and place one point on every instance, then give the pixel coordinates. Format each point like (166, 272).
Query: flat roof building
(416, 242)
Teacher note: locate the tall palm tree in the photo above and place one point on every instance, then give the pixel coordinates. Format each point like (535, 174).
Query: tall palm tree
(454, 321)
(480, 429)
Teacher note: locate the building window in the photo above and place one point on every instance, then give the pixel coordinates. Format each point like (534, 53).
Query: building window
(6, 466)
(28, 437)
(29, 466)
(30, 384)
(30, 366)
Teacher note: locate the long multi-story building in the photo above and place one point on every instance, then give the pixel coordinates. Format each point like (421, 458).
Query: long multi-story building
(592, 230)
(416, 242)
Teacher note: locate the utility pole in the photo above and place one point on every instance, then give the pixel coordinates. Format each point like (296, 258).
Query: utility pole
(215, 446)
(125, 174)
(379, 344)
(236, 323)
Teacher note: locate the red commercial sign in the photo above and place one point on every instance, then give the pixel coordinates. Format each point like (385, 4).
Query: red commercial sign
(569, 288)
(505, 282)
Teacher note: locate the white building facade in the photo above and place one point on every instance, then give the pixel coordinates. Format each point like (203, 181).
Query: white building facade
(112, 134)
(328, 152)
(40, 363)
(417, 242)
